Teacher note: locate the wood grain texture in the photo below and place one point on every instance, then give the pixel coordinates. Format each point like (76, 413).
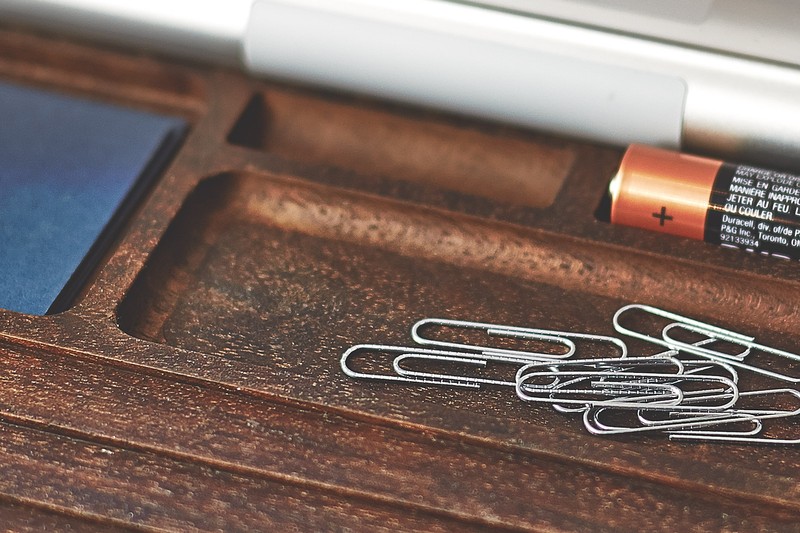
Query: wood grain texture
(195, 383)
(237, 445)
(20, 516)
(153, 491)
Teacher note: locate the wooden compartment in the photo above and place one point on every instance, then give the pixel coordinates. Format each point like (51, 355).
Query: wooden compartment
(478, 159)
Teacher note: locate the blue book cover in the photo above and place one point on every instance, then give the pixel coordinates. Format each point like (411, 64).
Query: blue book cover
(70, 171)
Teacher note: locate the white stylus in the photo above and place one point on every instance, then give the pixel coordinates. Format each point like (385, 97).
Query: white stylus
(538, 73)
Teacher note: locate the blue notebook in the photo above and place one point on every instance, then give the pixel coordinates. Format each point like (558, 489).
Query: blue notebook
(70, 171)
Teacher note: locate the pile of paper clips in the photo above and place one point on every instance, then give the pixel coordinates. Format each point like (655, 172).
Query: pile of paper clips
(689, 391)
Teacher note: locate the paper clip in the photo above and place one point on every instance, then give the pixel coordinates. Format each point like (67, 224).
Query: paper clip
(405, 353)
(596, 392)
(497, 330)
(726, 437)
(604, 382)
(418, 356)
(607, 364)
(734, 361)
(760, 414)
(707, 329)
(612, 364)
(734, 411)
(384, 349)
(711, 332)
(593, 424)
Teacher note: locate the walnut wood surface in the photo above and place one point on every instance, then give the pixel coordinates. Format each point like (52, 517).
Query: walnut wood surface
(195, 383)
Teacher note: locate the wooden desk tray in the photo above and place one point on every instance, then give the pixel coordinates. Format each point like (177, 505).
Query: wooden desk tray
(195, 384)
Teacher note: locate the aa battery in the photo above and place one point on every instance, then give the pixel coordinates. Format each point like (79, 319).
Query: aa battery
(739, 206)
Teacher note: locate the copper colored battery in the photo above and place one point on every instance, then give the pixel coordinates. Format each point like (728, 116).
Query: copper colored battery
(738, 206)
(663, 191)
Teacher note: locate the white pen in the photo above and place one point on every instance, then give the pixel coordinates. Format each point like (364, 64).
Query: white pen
(570, 79)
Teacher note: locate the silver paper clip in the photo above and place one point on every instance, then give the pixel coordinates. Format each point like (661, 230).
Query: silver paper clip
(760, 414)
(496, 330)
(594, 425)
(612, 383)
(417, 355)
(712, 332)
(400, 350)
